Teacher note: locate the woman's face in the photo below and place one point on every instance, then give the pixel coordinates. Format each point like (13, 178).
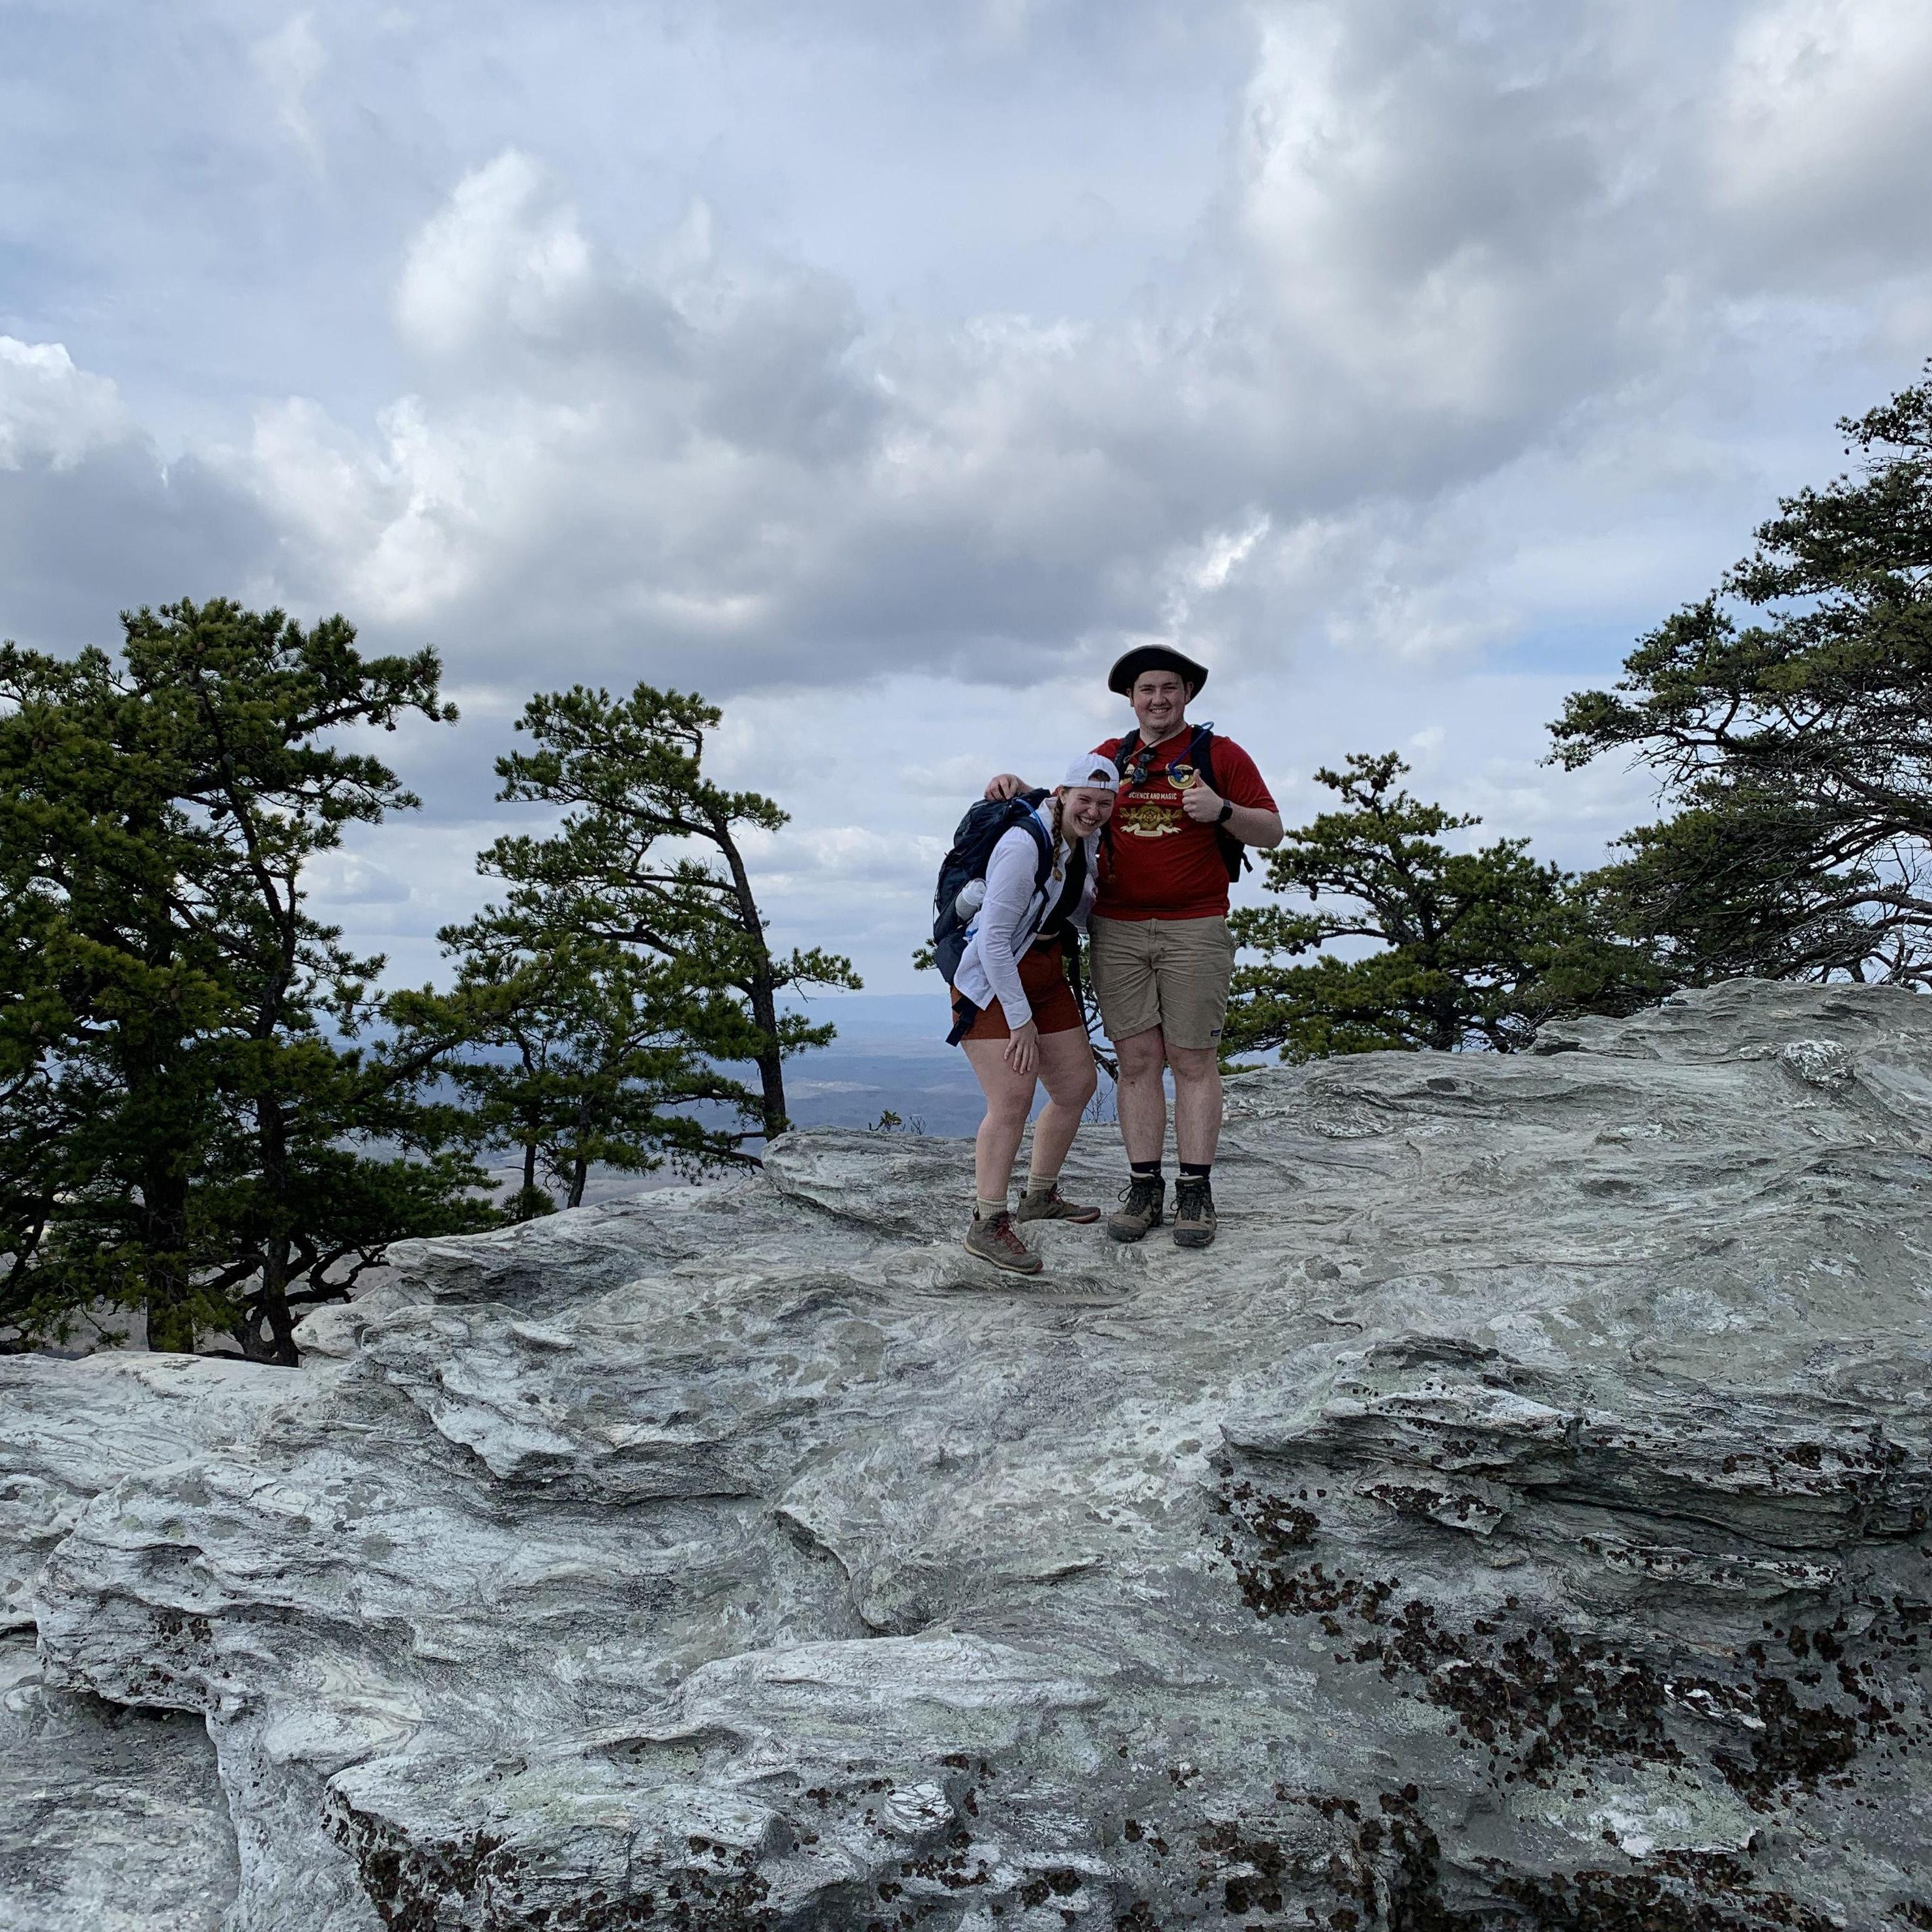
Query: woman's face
(1086, 809)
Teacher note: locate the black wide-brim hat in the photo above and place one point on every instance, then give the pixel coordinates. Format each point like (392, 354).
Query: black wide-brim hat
(1153, 657)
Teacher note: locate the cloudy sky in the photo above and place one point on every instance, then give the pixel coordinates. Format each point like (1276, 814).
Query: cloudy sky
(883, 368)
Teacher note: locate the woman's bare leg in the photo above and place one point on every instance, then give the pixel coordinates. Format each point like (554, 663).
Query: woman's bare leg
(1067, 1066)
(1008, 1096)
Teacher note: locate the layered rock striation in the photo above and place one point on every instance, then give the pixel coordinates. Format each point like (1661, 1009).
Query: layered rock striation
(1519, 1518)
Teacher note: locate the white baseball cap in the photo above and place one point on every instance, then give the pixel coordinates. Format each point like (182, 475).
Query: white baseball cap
(1090, 772)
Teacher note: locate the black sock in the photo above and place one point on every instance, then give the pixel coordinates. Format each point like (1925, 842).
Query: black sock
(1144, 1170)
(1196, 1170)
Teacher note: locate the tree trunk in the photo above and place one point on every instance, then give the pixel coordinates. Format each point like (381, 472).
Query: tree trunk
(268, 1308)
(266, 1331)
(580, 1170)
(151, 1066)
(164, 1238)
(760, 985)
(271, 1303)
(771, 1064)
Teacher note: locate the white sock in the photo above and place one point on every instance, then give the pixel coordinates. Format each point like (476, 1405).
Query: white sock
(986, 1210)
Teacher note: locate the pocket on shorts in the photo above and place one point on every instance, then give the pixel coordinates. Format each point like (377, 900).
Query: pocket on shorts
(1119, 968)
(1199, 962)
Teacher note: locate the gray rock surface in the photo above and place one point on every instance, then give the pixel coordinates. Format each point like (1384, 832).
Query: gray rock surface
(1519, 1518)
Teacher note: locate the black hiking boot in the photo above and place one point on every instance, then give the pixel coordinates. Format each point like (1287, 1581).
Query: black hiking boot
(1194, 1220)
(1140, 1208)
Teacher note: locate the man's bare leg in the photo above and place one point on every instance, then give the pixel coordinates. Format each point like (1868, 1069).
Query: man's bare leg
(1142, 1101)
(1197, 1102)
(1139, 1096)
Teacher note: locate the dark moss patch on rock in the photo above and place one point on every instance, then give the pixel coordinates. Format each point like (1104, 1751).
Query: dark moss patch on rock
(1535, 1698)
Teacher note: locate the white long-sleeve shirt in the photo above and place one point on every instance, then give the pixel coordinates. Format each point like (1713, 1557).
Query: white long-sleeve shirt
(1011, 915)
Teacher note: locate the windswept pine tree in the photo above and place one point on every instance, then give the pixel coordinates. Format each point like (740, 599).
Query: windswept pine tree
(1394, 940)
(1788, 718)
(626, 968)
(187, 1125)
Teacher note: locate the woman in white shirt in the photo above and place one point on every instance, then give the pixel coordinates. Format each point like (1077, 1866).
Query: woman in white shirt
(1025, 1025)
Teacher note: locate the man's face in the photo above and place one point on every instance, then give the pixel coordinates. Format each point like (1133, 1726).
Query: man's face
(1159, 699)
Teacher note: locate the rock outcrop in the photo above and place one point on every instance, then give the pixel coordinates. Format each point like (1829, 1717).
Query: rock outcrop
(1520, 1517)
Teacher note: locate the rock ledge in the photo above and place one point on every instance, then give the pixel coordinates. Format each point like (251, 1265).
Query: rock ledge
(1519, 1518)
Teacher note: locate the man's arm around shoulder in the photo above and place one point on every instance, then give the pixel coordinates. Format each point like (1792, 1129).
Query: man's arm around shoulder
(1010, 785)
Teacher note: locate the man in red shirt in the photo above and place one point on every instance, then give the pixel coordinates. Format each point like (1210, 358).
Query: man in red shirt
(1161, 952)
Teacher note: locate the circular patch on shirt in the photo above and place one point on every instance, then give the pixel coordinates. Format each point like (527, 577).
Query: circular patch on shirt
(1181, 776)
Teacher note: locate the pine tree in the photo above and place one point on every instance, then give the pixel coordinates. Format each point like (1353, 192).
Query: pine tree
(628, 965)
(1789, 717)
(189, 1127)
(1446, 950)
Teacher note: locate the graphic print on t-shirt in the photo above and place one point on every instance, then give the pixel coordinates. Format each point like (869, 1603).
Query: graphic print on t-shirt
(1142, 817)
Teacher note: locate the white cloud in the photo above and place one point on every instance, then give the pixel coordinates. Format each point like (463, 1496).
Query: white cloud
(1445, 238)
(505, 256)
(49, 410)
(340, 879)
(787, 366)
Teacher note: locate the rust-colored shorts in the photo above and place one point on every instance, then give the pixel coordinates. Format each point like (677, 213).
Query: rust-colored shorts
(1043, 980)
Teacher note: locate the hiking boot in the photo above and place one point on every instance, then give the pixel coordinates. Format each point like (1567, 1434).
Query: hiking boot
(1193, 1211)
(1139, 1209)
(993, 1239)
(1049, 1203)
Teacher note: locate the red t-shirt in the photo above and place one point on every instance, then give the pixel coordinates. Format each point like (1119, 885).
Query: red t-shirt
(1160, 863)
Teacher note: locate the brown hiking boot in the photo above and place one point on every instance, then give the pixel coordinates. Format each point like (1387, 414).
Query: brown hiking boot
(1049, 1203)
(993, 1240)
(1194, 1220)
(1139, 1209)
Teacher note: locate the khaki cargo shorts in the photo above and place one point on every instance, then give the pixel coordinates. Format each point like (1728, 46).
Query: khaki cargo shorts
(1172, 973)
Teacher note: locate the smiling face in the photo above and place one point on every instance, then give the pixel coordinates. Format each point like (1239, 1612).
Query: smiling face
(1159, 699)
(1084, 809)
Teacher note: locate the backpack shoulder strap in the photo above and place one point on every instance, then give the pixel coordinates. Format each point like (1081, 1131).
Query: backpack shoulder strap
(1021, 815)
(1043, 839)
(1201, 756)
(1201, 753)
(1056, 913)
(1043, 867)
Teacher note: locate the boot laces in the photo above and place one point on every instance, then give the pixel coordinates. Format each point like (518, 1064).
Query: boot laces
(999, 1228)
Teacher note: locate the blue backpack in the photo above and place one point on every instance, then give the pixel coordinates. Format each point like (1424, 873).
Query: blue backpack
(983, 828)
